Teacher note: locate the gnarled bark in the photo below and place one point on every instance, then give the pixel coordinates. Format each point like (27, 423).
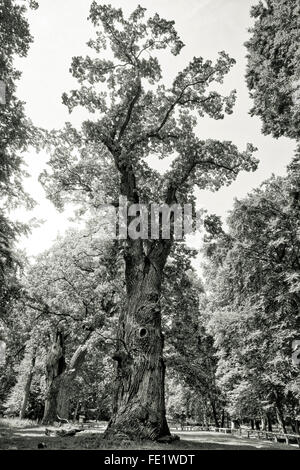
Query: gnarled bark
(28, 385)
(55, 366)
(67, 378)
(139, 405)
(59, 379)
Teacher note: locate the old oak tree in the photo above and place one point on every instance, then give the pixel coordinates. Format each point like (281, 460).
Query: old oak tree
(136, 116)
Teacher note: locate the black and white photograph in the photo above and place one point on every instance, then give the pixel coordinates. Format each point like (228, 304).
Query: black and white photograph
(149, 229)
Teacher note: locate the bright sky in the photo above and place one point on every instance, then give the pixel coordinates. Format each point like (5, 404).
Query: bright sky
(61, 30)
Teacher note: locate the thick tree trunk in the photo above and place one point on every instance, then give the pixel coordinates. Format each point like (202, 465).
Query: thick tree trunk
(67, 378)
(60, 382)
(50, 412)
(139, 407)
(27, 386)
(139, 402)
(214, 412)
(55, 366)
(63, 397)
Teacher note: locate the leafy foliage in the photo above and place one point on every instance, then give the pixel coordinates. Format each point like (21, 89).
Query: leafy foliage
(137, 116)
(273, 73)
(252, 275)
(16, 134)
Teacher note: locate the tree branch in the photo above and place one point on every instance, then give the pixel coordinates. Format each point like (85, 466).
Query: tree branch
(130, 110)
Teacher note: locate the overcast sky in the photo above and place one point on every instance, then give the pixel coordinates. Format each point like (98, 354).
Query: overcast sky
(61, 30)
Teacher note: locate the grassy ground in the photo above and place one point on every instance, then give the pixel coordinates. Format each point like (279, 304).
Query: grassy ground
(17, 434)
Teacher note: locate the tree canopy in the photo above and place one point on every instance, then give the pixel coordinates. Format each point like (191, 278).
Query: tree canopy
(273, 72)
(253, 279)
(16, 134)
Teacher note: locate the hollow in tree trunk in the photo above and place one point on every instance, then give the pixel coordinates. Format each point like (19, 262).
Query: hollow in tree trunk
(60, 379)
(55, 366)
(66, 381)
(139, 405)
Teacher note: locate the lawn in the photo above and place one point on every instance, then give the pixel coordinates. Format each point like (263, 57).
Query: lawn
(17, 434)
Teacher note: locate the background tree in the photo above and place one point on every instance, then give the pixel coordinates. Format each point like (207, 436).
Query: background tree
(17, 401)
(74, 290)
(92, 394)
(273, 72)
(189, 351)
(253, 278)
(16, 134)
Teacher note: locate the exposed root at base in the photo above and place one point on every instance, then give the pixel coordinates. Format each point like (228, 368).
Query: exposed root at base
(122, 437)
